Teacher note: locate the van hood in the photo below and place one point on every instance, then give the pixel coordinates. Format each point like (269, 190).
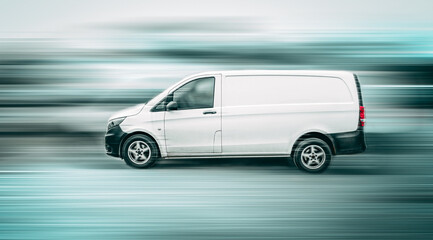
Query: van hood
(128, 111)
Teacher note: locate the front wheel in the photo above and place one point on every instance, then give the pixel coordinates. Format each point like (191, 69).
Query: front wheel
(140, 151)
(312, 155)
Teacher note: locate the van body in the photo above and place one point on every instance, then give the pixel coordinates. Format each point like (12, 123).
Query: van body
(245, 114)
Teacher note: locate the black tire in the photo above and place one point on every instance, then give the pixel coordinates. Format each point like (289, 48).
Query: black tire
(312, 161)
(144, 142)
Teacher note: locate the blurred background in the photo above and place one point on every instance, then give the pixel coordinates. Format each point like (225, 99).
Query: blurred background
(66, 66)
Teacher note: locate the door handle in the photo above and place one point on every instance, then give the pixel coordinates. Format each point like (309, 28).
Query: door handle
(209, 112)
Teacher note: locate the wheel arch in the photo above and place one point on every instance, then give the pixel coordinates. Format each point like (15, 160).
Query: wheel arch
(315, 134)
(136, 133)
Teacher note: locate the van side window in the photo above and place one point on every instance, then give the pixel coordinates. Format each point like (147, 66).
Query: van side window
(198, 93)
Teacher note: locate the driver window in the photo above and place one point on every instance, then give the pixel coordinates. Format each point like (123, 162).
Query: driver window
(198, 93)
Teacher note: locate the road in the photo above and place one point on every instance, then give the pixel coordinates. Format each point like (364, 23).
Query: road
(67, 188)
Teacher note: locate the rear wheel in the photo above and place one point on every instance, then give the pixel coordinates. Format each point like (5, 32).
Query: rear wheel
(312, 155)
(140, 151)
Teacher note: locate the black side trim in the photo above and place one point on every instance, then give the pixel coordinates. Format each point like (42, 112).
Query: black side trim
(113, 137)
(349, 142)
(358, 87)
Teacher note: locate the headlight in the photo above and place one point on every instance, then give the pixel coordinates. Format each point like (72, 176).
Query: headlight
(115, 122)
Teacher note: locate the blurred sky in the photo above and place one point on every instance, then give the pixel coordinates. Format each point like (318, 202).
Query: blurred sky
(64, 57)
(24, 18)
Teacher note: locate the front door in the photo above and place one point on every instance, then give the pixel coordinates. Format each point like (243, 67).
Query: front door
(195, 126)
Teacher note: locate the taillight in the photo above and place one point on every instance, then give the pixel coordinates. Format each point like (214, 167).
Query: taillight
(361, 116)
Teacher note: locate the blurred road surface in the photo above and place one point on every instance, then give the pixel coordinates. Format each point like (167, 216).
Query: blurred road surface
(71, 190)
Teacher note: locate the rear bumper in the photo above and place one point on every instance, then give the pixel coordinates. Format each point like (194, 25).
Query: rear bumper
(113, 138)
(349, 142)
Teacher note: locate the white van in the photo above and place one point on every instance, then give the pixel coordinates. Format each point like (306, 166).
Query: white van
(305, 115)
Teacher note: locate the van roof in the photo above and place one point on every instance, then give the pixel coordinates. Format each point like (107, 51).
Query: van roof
(340, 74)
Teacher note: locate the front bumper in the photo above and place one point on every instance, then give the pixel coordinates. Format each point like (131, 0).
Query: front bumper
(349, 142)
(113, 138)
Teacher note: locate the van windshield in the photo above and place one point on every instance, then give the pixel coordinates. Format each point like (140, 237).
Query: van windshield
(158, 97)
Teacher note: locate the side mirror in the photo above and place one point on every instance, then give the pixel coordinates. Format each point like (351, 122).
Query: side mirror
(172, 106)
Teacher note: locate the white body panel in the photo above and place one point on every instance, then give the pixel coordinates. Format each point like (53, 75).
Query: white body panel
(128, 111)
(257, 113)
(277, 108)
